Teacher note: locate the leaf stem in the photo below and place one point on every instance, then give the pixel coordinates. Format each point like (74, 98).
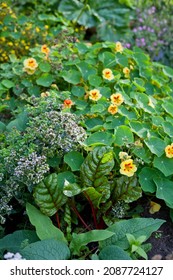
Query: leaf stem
(57, 219)
(79, 216)
(92, 209)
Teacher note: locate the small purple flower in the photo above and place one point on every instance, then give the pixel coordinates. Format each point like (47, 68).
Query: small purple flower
(140, 28)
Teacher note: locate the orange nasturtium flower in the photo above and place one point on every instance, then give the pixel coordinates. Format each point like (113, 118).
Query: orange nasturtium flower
(113, 109)
(45, 49)
(67, 103)
(94, 94)
(118, 47)
(117, 99)
(169, 151)
(107, 74)
(128, 168)
(126, 72)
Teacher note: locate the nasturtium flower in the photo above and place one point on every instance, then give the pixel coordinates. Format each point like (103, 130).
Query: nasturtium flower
(169, 151)
(94, 94)
(154, 207)
(45, 49)
(128, 168)
(107, 74)
(117, 99)
(126, 72)
(113, 109)
(118, 47)
(45, 94)
(123, 155)
(67, 103)
(30, 63)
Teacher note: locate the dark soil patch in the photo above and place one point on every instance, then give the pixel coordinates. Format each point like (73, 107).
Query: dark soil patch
(162, 239)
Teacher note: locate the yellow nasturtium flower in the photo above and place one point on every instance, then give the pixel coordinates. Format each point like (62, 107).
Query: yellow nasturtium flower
(117, 99)
(94, 94)
(118, 47)
(128, 168)
(123, 155)
(30, 63)
(154, 207)
(126, 72)
(45, 49)
(107, 74)
(169, 151)
(113, 109)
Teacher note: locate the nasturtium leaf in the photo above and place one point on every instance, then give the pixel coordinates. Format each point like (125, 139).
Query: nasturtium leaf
(93, 122)
(43, 224)
(65, 176)
(123, 135)
(13, 242)
(48, 249)
(146, 177)
(134, 226)
(78, 91)
(48, 17)
(139, 128)
(143, 153)
(45, 80)
(156, 145)
(113, 123)
(82, 47)
(100, 138)
(97, 108)
(94, 80)
(82, 239)
(164, 190)
(49, 196)
(113, 252)
(20, 123)
(7, 83)
(2, 126)
(74, 160)
(164, 164)
(45, 66)
(168, 71)
(129, 114)
(71, 76)
(86, 69)
(168, 107)
(121, 59)
(168, 128)
(108, 59)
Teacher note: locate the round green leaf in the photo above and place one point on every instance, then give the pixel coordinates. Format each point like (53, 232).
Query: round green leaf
(164, 190)
(7, 83)
(94, 80)
(72, 76)
(164, 164)
(45, 66)
(74, 160)
(156, 145)
(146, 177)
(45, 80)
(100, 138)
(123, 135)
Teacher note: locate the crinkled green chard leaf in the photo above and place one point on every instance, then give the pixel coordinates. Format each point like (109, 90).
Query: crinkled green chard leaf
(49, 195)
(94, 169)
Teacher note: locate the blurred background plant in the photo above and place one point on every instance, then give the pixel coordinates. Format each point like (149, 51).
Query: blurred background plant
(152, 29)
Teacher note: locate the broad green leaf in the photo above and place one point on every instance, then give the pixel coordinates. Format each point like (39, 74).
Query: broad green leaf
(49, 196)
(43, 224)
(164, 164)
(93, 123)
(146, 177)
(78, 91)
(123, 135)
(20, 123)
(168, 107)
(86, 69)
(127, 190)
(94, 169)
(168, 128)
(65, 176)
(71, 189)
(100, 138)
(45, 80)
(122, 59)
(74, 160)
(45, 66)
(139, 128)
(7, 83)
(2, 126)
(13, 242)
(156, 145)
(113, 252)
(134, 226)
(164, 190)
(168, 71)
(108, 59)
(71, 76)
(143, 153)
(139, 83)
(48, 249)
(94, 80)
(48, 17)
(82, 239)
(97, 108)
